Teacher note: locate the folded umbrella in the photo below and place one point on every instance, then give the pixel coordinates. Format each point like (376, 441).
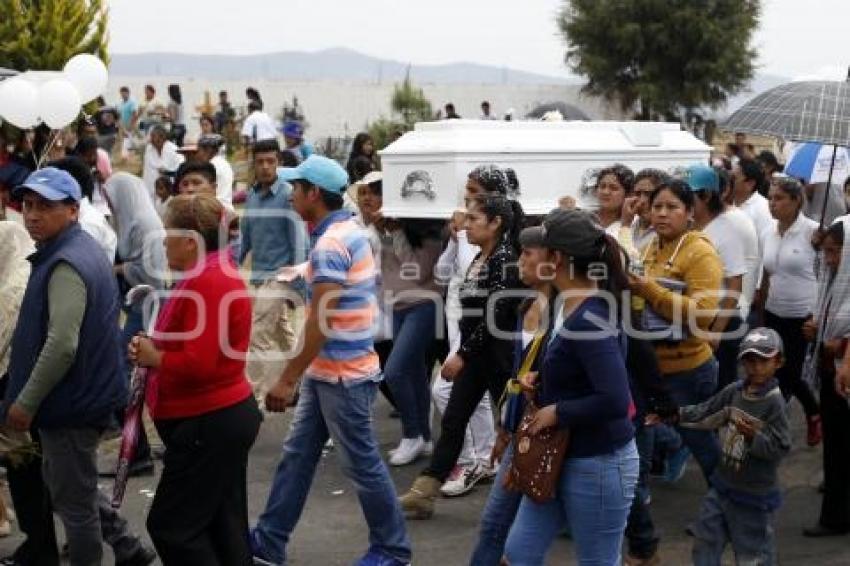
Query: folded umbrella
(133, 412)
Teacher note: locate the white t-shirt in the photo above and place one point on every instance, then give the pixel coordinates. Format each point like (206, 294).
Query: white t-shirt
(223, 180)
(756, 208)
(789, 260)
(734, 236)
(95, 224)
(259, 126)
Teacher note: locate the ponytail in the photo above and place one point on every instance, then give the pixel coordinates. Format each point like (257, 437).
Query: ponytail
(517, 224)
(616, 261)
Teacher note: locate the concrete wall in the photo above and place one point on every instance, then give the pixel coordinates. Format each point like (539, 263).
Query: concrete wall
(344, 108)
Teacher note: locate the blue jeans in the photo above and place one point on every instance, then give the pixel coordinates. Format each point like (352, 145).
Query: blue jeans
(595, 495)
(497, 518)
(689, 388)
(343, 412)
(723, 521)
(407, 373)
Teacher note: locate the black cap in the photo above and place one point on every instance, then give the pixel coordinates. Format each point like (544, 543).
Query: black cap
(575, 232)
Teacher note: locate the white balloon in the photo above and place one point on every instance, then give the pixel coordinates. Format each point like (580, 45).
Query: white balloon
(19, 102)
(88, 74)
(58, 103)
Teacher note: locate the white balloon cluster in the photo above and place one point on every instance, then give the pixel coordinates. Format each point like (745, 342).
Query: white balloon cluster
(54, 98)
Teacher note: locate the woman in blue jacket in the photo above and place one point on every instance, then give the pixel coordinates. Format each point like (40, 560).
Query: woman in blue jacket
(584, 387)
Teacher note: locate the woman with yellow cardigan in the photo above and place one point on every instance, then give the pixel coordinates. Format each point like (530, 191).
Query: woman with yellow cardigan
(680, 291)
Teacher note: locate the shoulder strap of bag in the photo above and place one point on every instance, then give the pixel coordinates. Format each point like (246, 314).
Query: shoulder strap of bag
(532, 354)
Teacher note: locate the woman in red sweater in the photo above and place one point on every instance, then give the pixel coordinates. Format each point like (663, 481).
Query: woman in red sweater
(198, 395)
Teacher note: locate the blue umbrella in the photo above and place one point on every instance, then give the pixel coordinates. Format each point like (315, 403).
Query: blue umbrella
(812, 162)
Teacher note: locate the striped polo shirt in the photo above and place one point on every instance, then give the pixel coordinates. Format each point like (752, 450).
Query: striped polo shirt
(341, 254)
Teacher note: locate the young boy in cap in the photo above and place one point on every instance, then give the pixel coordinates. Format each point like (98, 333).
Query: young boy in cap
(755, 436)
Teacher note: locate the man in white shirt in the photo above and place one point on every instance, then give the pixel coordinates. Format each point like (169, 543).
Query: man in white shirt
(258, 125)
(735, 239)
(748, 185)
(90, 218)
(161, 156)
(209, 150)
(485, 112)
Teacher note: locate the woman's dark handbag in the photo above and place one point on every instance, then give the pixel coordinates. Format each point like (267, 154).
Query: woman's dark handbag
(537, 458)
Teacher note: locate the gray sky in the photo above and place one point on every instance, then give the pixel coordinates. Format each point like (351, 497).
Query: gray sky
(797, 38)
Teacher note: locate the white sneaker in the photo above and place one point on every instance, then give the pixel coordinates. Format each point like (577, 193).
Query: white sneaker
(408, 450)
(427, 449)
(464, 480)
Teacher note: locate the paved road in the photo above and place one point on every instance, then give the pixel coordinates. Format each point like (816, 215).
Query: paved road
(332, 531)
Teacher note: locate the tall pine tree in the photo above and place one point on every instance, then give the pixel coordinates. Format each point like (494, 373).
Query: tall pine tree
(656, 58)
(44, 34)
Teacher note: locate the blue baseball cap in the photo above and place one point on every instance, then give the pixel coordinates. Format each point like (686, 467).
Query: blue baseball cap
(52, 184)
(318, 170)
(702, 178)
(293, 129)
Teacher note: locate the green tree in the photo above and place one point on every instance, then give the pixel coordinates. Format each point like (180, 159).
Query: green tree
(44, 34)
(657, 57)
(409, 105)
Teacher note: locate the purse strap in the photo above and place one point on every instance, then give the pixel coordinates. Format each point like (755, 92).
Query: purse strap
(513, 386)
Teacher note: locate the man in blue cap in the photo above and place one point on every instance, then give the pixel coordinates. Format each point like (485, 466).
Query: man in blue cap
(734, 236)
(293, 136)
(339, 374)
(65, 378)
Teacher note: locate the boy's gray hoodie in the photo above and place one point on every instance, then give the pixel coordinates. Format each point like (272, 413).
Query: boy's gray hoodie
(748, 469)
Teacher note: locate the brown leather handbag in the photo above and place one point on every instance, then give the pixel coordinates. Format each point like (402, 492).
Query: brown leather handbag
(537, 458)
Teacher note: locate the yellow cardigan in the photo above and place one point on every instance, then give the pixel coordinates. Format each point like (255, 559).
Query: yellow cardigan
(696, 264)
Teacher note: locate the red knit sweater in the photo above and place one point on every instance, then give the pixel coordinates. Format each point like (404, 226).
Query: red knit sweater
(205, 371)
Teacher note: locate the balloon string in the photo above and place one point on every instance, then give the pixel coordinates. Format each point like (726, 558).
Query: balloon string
(54, 137)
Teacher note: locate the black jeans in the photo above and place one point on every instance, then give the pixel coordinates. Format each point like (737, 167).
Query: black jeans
(35, 513)
(468, 390)
(790, 374)
(835, 415)
(199, 515)
(727, 355)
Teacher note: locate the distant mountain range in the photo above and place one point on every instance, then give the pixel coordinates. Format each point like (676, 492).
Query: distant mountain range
(328, 64)
(340, 64)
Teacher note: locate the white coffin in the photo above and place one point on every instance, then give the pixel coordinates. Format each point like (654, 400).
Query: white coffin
(425, 170)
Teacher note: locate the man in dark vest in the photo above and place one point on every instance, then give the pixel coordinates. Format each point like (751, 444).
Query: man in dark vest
(65, 370)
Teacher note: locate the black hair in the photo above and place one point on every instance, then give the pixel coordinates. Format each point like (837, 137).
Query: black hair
(712, 201)
(253, 93)
(159, 129)
(376, 187)
(209, 119)
(288, 158)
(492, 178)
(266, 146)
(485, 103)
(222, 92)
(203, 168)
(723, 179)
(255, 105)
(624, 176)
(359, 167)
(513, 182)
(680, 190)
(357, 146)
(767, 157)
(169, 184)
(150, 87)
(847, 182)
(615, 260)
(734, 148)
(836, 232)
(124, 89)
(449, 106)
(753, 172)
(509, 211)
(175, 94)
(791, 187)
(85, 145)
(77, 169)
(655, 176)
(333, 201)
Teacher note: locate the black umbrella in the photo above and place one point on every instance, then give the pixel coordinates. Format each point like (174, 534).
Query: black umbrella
(812, 111)
(568, 111)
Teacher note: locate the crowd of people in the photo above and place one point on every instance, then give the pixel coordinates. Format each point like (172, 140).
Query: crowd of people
(677, 319)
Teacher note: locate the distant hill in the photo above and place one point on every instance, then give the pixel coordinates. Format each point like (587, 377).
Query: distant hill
(328, 64)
